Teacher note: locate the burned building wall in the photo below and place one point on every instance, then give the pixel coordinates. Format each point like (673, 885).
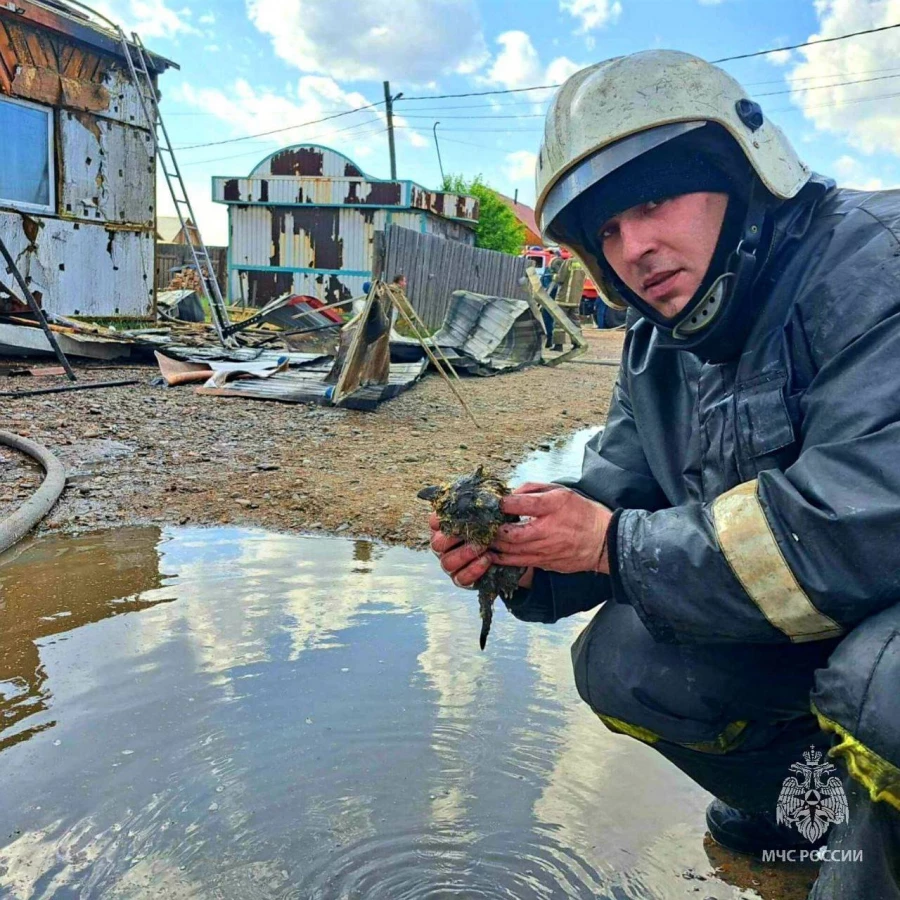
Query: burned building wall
(92, 251)
(311, 214)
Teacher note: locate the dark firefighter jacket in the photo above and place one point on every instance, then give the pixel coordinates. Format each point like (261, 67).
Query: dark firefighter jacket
(759, 500)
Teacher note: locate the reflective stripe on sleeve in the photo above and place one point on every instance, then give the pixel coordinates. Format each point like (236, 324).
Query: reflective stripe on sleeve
(751, 550)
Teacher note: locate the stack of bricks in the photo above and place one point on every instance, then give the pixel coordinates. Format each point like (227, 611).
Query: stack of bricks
(186, 280)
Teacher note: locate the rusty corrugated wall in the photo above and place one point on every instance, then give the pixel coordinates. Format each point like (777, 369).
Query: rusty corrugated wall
(305, 219)
(94, 254)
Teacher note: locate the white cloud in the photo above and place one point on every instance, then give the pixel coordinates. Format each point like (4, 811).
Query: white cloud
(520, 165)
(357, 40)
(149, 18)
(852, 173)
(842, 109)
(207, 19)
(780, 57)
(560, 69)
(592, 14)
(518, 64)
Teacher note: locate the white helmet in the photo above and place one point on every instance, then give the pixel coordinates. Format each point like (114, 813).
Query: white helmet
(610, 114)
(630, 95)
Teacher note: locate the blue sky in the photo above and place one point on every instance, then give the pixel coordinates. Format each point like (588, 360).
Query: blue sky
(250, 66)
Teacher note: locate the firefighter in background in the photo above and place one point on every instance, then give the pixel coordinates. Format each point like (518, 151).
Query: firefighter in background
(738, 518)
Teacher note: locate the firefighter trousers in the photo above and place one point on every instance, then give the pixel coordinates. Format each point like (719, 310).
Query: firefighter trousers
(735, 717)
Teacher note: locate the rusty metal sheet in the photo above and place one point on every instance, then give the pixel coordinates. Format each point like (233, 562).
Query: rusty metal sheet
(454, 206)
(80, 269)
(49, 68)
(312, 191)
(106, 173)
(305, 160)
(297, 238)
(258, 287)
(309, 386)
(460, 232)
(73, 24)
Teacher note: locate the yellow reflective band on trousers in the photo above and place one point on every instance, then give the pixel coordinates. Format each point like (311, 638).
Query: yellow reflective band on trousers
(727, 741)
(749, 546)
(879, 777)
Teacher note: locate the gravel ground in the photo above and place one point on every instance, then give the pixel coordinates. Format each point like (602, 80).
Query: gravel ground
(145, 454)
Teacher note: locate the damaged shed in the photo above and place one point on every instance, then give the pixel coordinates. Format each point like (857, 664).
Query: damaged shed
(78, 176)
(304, 222)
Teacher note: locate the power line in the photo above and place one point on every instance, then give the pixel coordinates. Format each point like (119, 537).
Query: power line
(840, 37)
(820, 87)
(255, 152)
(540, 87)
(246, 137)
(783, 109)
(479, 130)
(819, 77)
(469, 118)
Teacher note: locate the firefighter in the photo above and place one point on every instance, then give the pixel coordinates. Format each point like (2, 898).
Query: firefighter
(738, 517)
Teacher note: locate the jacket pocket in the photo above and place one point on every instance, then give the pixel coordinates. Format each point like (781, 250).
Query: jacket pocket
(765, 432)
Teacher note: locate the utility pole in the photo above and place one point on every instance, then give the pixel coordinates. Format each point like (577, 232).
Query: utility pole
(438, 148)
(389, 106)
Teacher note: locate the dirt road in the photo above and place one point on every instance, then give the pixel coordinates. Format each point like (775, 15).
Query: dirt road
(158, 455)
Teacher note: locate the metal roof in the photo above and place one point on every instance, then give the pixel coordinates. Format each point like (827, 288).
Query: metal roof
(79, 22)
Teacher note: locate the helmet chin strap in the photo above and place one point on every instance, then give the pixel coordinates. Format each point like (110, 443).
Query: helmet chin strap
(704, 314)
(693, 325)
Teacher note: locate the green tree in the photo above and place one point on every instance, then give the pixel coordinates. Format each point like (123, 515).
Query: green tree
(498, 228)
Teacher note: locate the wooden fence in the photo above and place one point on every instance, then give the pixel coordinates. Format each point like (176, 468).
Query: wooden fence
(168, 256)
(435, 267)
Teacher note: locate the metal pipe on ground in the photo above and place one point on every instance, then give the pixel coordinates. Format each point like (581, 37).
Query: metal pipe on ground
(13, 528)
(65, 389)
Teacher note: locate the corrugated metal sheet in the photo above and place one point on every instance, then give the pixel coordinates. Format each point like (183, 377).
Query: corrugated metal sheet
(98, 259)
(259, 287)
(312, 191)
(341, 191)
(452, 231)
(107, 174)
(451, 206)
(339, 241)
(83, 269)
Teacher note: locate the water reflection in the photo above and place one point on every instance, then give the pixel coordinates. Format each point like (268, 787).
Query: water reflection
(562, 458)
(49, 588)
(311, 718)
(291, 727)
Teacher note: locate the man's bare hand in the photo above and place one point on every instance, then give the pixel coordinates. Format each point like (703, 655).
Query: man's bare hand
(563, 531)
(464, 563)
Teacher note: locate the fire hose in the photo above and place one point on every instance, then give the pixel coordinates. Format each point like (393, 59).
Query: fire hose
(14, 527)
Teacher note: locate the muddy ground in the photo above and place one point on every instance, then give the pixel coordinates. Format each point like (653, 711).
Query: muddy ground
(159, 455)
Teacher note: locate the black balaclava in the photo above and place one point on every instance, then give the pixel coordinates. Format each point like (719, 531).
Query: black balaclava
(715, 322)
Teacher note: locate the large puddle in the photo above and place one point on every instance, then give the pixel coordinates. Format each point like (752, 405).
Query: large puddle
(227, 713)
